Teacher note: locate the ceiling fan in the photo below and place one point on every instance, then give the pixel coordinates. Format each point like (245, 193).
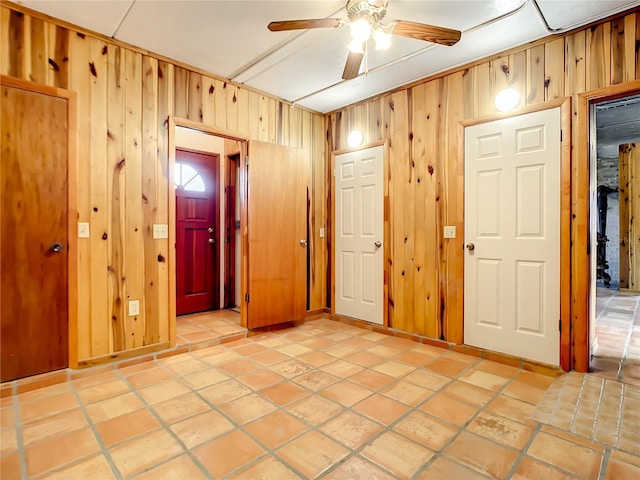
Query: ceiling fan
(365, 19)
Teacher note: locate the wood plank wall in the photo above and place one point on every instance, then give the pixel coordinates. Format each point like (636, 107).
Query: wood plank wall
(426, 171)
(125, 98)
(629, 188)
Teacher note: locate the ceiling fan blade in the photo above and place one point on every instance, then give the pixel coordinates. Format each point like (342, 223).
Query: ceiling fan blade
(352, 67)
(305, 24)
(428, 33)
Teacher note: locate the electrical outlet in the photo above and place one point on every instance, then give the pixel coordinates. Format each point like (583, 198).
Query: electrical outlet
(449, 231)
(321, 232)
(83, 229)
(134, 308)
(160, 231)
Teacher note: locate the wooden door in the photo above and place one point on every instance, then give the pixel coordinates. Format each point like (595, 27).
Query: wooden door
(359, 234)
(197, 232)
(34, 246)
(277, 238)
(230, 215)
(512, 235)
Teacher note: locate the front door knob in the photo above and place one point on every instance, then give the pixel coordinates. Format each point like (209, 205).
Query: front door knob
(212, 240)
(378, 244)
(56, 247)
(470, 246)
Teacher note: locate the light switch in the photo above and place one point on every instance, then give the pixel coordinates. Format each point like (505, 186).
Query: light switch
(449, 231)
(83, 229)
(160, 230)
(134, 308)
(321, 232)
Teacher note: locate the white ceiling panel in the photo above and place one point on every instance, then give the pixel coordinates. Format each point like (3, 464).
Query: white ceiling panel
(219, 36)
(97, 15)
(565, 14)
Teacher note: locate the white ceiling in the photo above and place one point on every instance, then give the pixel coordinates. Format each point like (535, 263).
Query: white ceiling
(230, 38)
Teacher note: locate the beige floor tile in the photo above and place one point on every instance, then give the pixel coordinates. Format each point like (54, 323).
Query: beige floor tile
(505, 371)
(239, 367)
(371, 379)
(617, 469)
(95, 467)
(7, 417)
(30, 410)
(425, 378)
(99, 377)
(312, 453)
(275, 429)
(351, 429)
(364, 359)
(394, 369)
(446, 408)
(381, 409)
(481, 455)
(266, 469)
(346, 393)
(407, 393)
(249, 348)
(384, 351)
(531, 469)
(294, 350)
(284, 393)
(415, 358)
(467, 393)
(426, 430)
(114, 407)
(248, 408)
(483, 379)
(397, 454)
(342, 368)
(316, 380)
(357, 467)
(228, 453)
(52, 426)
(148, 377)
(315, 358)
(512, 408)
(224, 392)
(444, 469)
(179, 408)
(291, 368)
(59, 451)
(447, 367)
(103, 391)
(314, 409)
(144, 452)
(501, 430)
(201, 428)
(524, 392)
(269, 357)
(163, 391)
(260, 379)
(8, 440)
(204, 378)
(567, 455)
(190, 365)
(124, 427)
(44, 392)
(181, 467)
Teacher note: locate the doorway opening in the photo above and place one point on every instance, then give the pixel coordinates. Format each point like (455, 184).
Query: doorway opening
(615, 234)
(207, 217)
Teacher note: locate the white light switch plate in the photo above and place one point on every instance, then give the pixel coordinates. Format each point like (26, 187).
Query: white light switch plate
(160, 230)
(134, 308)
(83, 229)
(321, 232)
(449, 231)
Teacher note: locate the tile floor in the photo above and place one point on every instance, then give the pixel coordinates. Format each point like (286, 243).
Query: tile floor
(616, 350)
(202, 327)
(320, 400)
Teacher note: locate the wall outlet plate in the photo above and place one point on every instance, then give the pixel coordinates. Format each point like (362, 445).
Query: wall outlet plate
(160, 230)
(83, 229)
(449, 231)
(134, 308)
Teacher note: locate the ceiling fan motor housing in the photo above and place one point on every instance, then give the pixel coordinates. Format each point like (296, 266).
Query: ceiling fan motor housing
(366, 8)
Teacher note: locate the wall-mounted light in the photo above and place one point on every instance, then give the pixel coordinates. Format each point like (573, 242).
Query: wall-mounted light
(355, 138)
(507, 99)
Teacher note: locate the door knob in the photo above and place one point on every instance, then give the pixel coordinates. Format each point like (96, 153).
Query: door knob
(378, 244)
(303, 242)
(212, 240)
(210, 229)
(56, 247)
(470, 246)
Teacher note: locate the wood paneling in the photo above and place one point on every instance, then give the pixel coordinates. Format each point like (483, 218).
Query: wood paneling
(124, 100)
(421, 124)
(629, 162)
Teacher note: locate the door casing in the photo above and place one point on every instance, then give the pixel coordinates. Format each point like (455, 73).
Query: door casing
(565, 211)
(72, 202)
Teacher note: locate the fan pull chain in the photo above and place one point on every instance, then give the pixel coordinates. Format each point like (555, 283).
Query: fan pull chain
(366, 58)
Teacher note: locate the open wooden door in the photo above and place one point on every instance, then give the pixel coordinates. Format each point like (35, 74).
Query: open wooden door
(277, 234)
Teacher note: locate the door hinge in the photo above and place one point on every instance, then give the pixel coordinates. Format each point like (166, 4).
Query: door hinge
(560, 134)
(246, 298)
(560, 325)
(334, 172)
(246, 160)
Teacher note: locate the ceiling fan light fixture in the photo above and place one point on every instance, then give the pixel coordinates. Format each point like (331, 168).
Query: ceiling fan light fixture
(507, 99)
(356, 47)
(360, 30)
(382, 38)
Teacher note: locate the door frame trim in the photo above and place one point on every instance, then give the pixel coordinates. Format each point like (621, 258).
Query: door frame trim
(171, 254)
(581, 268)
(565, 213)
(385, 226)
(72, 202)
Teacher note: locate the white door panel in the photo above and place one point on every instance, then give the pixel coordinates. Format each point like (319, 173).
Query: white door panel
(512, 217)
(359, 225)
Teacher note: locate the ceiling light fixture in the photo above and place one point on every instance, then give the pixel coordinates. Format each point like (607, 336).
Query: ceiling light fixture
(355, 138)
(507, 99)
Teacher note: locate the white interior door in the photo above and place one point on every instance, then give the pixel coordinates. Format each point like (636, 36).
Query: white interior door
(512, 236)
(359, 234)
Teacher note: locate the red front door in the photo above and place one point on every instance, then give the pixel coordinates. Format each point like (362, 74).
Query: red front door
(197, 225)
